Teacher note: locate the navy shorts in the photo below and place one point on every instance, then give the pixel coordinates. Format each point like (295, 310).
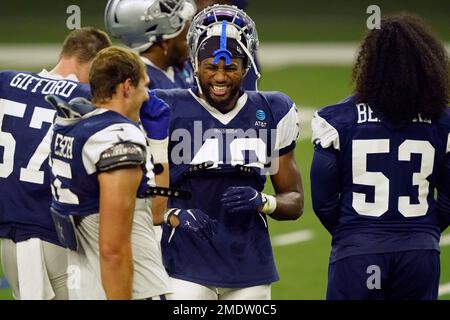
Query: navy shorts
(411, 275)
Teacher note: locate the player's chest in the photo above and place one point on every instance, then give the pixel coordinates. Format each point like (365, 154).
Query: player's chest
(246, 138)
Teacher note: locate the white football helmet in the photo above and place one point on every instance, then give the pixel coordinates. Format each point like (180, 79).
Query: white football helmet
(141, 23)
(210, 23)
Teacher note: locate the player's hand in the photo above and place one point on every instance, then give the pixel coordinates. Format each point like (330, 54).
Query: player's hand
(194, 221)
(238, 199)
(155, 117)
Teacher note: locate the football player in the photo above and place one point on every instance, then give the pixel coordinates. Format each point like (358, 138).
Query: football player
(223, 140)
(157, 30)
(101, 171)
(380, 158)
(32, 258)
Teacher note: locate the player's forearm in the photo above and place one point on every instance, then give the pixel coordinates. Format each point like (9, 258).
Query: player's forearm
(289, 206)
(159, 204)
(117, 272)
(117, 203)
(325, 193)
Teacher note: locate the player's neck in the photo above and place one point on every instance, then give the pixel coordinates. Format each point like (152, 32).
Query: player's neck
(70, 66)
(156, 55)
(119, 105)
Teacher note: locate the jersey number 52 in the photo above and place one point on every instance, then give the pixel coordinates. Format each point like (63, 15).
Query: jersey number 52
(31, 173)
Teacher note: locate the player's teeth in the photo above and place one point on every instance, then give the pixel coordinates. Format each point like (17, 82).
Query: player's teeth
(219, 88)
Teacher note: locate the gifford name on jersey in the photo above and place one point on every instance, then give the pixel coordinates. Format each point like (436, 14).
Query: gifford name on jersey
(28, 82)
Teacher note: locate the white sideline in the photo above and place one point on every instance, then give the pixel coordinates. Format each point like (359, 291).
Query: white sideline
(444, 289)
(271, 55)
(292, 238)
(445, 240)
(305, 115)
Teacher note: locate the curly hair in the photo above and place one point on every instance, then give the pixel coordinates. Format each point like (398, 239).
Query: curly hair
(402, 70)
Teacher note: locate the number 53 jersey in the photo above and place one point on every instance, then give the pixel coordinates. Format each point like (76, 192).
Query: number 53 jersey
(393, 181)
(25, 133)
(240, 147)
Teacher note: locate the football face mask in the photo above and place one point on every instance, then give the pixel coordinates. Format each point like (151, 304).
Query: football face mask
(226, 22)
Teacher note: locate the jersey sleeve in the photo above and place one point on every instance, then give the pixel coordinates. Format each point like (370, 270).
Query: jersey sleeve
(287, 122)
(323, 132)
(107, 138)
(443, 198)
(83, 90)
(325, 189)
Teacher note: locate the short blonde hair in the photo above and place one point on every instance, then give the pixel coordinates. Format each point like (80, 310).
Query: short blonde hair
(84, 44)
(111, 67)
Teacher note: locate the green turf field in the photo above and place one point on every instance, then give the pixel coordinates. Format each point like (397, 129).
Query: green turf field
(302, 266)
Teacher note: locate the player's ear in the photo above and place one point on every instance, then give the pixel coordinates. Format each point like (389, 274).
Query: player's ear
(127, 84)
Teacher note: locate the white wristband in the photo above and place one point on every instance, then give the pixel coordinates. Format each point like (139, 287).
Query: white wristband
(167, 215)
(158, 149)
(271, 204)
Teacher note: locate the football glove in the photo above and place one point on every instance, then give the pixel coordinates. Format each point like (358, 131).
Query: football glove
(238, 199)
(155, 117)
(194, 221)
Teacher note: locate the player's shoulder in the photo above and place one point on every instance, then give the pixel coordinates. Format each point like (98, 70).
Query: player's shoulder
(103, 129)
(340, 113)
(6, 76)
(340, 116)
(81, 90)
(105, 126)
(276, 99)
(171, 93)
(174, 97)
(278, 103)
(330, 121)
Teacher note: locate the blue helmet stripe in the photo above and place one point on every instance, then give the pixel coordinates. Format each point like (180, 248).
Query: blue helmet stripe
(222, 52)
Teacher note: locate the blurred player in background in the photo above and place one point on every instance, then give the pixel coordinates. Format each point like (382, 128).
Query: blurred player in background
(157, 30)
(222, 139)
(32, 259)
(380, 157)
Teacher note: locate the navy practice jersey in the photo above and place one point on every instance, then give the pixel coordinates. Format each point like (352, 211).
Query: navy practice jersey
(25, 132)
(373, 185)
(260, 128)
(172, 79)
(75, 151)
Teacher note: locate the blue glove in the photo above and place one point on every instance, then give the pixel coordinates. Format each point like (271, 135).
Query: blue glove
(194, 221)
(237, 199)
(155, 117)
